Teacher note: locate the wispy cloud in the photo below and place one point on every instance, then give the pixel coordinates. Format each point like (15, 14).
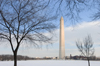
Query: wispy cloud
(80, 31)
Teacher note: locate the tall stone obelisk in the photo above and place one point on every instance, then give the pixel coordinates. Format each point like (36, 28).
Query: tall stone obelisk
(62, 40)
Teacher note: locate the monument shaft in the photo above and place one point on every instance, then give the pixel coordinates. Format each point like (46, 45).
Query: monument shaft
(62, 40)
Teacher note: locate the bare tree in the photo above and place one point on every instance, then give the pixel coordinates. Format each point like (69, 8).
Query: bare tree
(24, 20)
(96, 14)
(86, 48)
(70, 8)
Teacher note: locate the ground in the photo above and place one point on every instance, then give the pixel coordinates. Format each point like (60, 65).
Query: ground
(51, 63)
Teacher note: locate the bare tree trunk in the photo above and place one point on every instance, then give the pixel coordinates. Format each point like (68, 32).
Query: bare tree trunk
(88, 61)
(15, 58)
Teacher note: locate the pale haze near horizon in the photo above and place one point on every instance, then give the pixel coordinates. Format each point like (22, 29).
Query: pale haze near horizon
(78, 32)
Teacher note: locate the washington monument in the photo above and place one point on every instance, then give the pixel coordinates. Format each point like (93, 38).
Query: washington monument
(62, 40)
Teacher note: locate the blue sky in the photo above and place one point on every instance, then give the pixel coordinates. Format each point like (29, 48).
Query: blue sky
(79, 31)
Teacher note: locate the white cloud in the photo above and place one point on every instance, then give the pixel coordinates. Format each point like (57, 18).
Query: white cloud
(80, 31)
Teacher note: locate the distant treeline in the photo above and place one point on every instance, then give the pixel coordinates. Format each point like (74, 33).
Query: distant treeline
(10, 57)
(20, 57)
(81, 58)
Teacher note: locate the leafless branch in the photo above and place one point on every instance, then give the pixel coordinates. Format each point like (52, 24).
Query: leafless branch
(21, 20)
(86, 48)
